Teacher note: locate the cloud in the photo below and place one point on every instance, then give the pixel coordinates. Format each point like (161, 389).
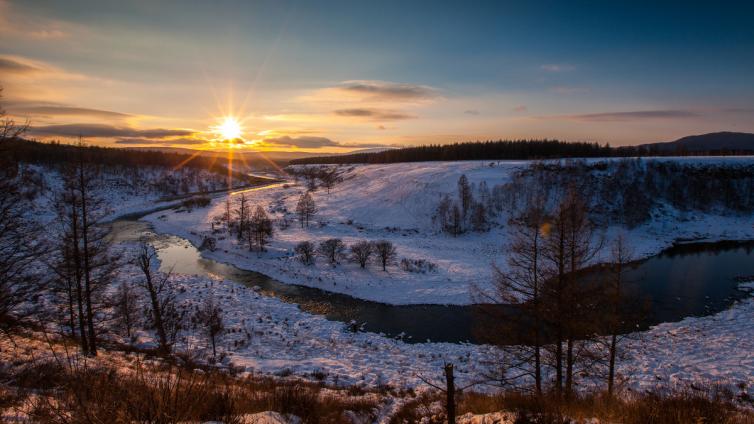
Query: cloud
(66, 111)
(8, 64)
(554, 67)
(104, 130)
(471, 112)
(374, 114)
(182, 140)
(22, 67)
(637, 115)
(521, 108)
(390, 91)
(312, 142)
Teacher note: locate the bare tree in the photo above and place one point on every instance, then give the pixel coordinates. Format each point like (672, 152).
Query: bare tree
(305, 251)
(164, 314)
(20, 241)
(455, 224)
(305, 208)
(227, 216)
(385, 251)
(243, 216)
(210, 318)
(442, 214)
(361, 252)
(520, 284)
(70, 264)
(570, 304)
(479, 217)
(80, 210)
(125, 303)
(616, 301)
(332, 249)
(63, 286)
(329, 177)
(260, 228)
(9, 128)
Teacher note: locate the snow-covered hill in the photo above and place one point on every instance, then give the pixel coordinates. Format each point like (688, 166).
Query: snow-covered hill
(397, 202)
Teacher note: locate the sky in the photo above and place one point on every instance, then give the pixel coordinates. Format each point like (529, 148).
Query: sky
(337, 76)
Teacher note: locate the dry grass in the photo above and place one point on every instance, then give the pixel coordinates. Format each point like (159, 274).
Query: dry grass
(49, 393)
(139, 387)
(708, 405)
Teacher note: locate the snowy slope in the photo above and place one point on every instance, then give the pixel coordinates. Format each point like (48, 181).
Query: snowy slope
(396, 202)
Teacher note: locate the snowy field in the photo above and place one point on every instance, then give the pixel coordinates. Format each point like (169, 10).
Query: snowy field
(267, 335)
(397, 202)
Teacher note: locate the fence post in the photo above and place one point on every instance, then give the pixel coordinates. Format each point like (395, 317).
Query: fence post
(450, 392)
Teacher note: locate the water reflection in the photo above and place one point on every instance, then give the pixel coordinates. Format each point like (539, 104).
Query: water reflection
(686, 280)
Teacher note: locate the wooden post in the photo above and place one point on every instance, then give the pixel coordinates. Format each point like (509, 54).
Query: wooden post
(450, 392)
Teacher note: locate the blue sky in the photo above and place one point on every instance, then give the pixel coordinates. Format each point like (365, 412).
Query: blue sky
(341, 75)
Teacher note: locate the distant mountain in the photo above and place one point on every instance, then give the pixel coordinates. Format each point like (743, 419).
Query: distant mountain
(712, 142)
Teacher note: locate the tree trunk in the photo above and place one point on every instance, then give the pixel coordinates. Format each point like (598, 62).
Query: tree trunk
(71, 313)
(569, 368)
(611, 371)
(77, 274)
(87, 267)
(158, 319)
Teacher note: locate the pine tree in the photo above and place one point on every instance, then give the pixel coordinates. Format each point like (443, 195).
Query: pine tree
(464, 195)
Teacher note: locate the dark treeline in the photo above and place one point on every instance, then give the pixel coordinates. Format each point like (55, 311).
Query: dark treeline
(55, 153)
(507, 149)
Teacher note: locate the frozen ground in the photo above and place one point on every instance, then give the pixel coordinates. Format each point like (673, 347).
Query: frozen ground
(267, 335)
(276, 337)
(396, 202)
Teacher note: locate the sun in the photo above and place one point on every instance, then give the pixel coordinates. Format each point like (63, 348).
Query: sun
(230, 129)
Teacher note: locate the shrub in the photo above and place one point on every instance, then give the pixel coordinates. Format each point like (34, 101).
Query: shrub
(208, 243)
(419, 266)
(196, 202)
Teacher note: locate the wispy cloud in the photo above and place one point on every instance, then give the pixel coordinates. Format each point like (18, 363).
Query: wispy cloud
(374, 114)
(313, 142)
(371, 93)
(555, 67)
(164, 142)
(384, 90)
(10, 64)
(50, 110)
(520, 108)
(23, 67)
(104, 130)
(636, 115)
(303, 141)
(473, 112)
